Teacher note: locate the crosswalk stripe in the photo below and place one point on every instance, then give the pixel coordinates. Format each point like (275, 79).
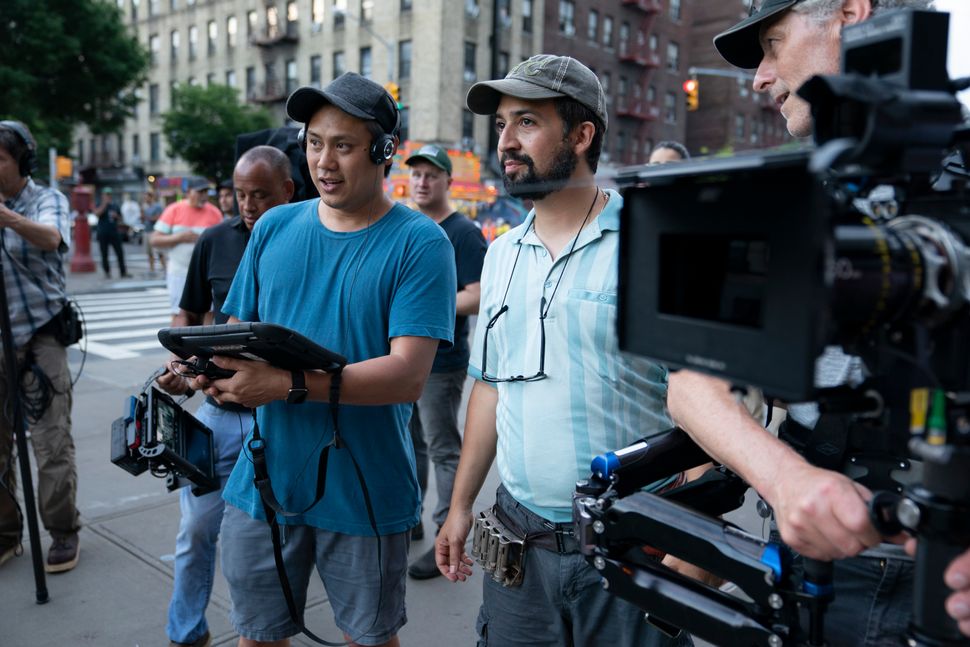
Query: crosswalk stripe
(114, 316)
(120, 296)
(140, 321)
(109, 351)
(125, 334)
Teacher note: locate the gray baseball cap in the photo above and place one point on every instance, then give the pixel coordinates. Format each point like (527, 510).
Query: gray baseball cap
(356, 95)
(544, 76)
(741, 44)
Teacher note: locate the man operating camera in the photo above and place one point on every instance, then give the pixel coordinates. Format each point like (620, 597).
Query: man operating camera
(820, 513)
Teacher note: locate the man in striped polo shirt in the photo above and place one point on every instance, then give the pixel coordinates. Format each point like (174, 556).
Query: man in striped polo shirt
(35, 229)
(552, 389)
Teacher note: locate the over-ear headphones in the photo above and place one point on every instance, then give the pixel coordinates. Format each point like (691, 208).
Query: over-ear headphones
(382, 148)
(28, 160)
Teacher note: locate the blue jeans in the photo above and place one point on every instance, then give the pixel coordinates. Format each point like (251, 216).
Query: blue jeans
(195, 545)
(873, 602)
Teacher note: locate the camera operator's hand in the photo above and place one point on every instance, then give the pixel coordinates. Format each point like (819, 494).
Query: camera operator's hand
(449, 546)
(822, 514)
(253, 385)
(171, 382)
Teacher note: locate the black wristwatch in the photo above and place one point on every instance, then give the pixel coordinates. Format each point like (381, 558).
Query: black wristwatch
(298, 391)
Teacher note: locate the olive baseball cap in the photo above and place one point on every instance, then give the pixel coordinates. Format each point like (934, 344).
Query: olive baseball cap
(434, 154)
(544, 76)
(741, 44)
(356, 95)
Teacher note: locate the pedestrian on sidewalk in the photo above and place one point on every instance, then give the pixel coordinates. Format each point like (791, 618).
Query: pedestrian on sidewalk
(176, 232)
(35, 227)
(262, 181)
(434, 421)
(109, 217)
(151, 211)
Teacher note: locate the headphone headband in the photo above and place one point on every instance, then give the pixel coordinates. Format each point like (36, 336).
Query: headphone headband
(28, 160)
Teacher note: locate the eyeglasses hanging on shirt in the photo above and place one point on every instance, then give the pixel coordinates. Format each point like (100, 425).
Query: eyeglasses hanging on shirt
(544, 306)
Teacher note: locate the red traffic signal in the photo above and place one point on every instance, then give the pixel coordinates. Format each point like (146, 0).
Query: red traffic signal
(692, 90)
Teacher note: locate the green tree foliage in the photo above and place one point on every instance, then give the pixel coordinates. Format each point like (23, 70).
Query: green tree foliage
(67, 62)
(202, 125)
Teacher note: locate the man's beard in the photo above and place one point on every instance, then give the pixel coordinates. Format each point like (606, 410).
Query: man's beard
(531, 185)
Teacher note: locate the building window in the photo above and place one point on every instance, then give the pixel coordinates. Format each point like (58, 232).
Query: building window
(593, 25)
(152, 7)
(739, 127)
(467, 124)
(366, 62)
(406, 5)
(654, 42)
(270, 85)
(135, 148)
(193, 42)
(673, 56)
(250, 82)
(339, 64)
(503, 63)
(742, 88)
(272, 22)
(232, 27)
(155, 144)
(366, 10)
(173, 54)
(210, 78)
(339, 11)
(80, 152)
(472, 9)
(153, 46)
(134, 11)
(607, 31)
(252, 22)
(621, 92)
(135, 108)
(316, 13)
(624, 38)
(470, 73)
(670, 108)
(173, 5)
(635, 152)
(675, 9)
(291, 83)
(527, 16)
(316, 71)
(213, 31)
(153, 99)
(651, 94)
(231, 78)
(404, 59)
(606, 80)
(620, 140)
(567, 10)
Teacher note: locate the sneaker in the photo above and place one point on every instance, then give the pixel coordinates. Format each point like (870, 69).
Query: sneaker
(63, 554)
(8, 551)
(424, 567)
(417, 533)
(204, 641)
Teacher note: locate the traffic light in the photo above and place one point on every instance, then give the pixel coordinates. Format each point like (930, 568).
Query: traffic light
(394, 90)
(691, 89)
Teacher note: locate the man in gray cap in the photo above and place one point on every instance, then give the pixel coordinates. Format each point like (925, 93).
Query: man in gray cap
(820, 513)
(434, 422)
(552, 389)
(374, 281)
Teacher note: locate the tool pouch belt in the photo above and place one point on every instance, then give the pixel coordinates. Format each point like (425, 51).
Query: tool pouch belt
(498, 548)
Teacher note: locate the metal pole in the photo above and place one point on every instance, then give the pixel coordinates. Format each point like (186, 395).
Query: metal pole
(20, 433)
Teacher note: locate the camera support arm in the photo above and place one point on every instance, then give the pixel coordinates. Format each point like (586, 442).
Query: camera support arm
(607, 528)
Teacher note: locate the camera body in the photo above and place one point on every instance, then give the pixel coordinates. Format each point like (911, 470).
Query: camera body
(157, 435)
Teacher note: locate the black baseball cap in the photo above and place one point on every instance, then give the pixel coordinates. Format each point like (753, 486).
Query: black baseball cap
(354, 94)
(741, 44)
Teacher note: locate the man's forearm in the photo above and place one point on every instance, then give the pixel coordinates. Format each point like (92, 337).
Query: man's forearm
(45, 237)
(164, 241)
(706, 409)
(477, 448)
(186, 318)
(467, 300)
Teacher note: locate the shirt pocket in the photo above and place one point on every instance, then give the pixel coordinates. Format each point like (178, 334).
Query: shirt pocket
(596, 312)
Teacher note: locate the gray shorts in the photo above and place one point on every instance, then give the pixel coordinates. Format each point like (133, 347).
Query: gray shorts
(347, 564)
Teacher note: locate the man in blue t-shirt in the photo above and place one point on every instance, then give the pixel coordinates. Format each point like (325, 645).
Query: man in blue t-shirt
(374, 281)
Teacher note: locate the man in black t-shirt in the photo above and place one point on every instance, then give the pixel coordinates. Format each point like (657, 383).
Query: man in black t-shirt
(434, 422)
(261, 180)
